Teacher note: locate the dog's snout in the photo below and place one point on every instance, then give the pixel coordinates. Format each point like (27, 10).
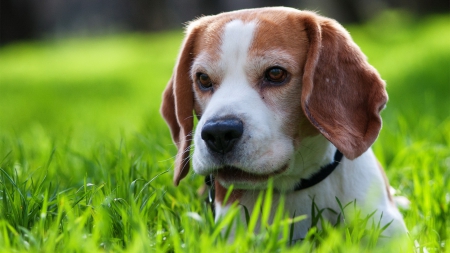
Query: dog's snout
(220, 135)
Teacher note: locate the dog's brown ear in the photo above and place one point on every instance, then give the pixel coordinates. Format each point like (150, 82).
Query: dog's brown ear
(342, 94)
(178, 104)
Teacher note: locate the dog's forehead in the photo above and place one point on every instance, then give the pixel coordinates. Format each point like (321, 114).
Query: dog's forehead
(266, 30)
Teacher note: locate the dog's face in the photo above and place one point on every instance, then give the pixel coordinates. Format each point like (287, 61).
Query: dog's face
(252, 85)
(261, 81)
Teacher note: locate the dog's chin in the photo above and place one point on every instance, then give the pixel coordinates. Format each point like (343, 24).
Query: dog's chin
(241, 179)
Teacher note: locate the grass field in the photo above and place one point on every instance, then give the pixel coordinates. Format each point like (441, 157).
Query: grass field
(86, 161)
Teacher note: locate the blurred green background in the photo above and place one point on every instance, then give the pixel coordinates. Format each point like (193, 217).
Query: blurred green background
(97, 86)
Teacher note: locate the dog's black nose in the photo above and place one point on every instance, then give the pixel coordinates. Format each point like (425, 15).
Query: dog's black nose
(220, 135)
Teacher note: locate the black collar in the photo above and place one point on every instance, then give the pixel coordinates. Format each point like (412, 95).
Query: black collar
(316, 178)
(323, 173)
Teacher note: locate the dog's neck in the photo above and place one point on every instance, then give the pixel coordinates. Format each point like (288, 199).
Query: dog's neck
(312, 154)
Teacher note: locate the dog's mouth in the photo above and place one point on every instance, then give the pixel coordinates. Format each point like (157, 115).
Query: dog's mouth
(233, 174)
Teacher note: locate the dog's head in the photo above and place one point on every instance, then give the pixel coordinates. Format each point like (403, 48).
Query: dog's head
(262, 80)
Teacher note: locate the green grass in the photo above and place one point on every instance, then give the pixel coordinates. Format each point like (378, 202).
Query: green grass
(86, 161)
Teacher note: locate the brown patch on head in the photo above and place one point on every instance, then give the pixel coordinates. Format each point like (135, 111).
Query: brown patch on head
(209, 38)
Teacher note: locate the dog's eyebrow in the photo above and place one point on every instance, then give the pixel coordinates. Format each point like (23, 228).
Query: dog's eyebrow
(205, 63)
(265, 59)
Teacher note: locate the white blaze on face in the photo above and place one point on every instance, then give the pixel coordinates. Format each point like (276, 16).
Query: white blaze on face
(236, 42)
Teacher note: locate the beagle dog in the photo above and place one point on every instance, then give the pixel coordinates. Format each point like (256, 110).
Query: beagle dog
(282, 94)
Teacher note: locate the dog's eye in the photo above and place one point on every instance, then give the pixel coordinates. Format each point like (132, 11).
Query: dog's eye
(276, 75)
(204, 81)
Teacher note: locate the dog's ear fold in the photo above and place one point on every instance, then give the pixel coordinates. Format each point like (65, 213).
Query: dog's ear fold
(342, 94)
(178, 104)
